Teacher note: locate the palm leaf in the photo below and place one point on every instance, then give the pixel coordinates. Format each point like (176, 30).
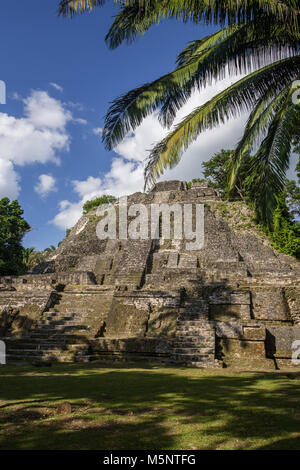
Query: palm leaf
(73, 7)
(208, 61)
(136, 17)
(240, 50)
(195, 48)
(241, 96)
(258, 122)
(271, 162)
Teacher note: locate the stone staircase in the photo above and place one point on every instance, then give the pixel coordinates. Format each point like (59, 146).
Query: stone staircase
(61, 335)
(194, 343)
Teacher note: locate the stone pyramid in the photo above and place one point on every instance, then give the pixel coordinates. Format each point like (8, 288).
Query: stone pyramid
(234, 302)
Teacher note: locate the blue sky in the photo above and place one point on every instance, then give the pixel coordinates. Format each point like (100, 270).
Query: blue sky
(60, 78)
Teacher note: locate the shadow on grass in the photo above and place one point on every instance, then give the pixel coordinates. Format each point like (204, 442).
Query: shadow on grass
(130, 408)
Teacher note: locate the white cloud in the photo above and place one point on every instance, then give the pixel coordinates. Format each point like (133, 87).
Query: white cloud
(39, 135)
(98, 131)
(80, 121)
(78, 106)
(136, 145)
(88, 188)
(45, 185)
(9, 180)
(57, 87)
(68, 214)
(212, 141)
(123, 178)
(46, 112)
(16, 96)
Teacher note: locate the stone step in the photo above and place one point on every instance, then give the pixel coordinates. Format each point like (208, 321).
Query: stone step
(194, 301)
(52, 328)
(60, 314)
(57, 318)
(62, 358)
(195, 304)
(194, 351)
(200, 336)
(23, 352)
(193, 315)
(203, 319)
(70, 310)
(190, 344)
(200, 322)
(49, 346)
(34, 340)
(56, 352)
(40, 337)
(201, 326)
(193, 357)
(59, 323)
(36, 345)
(35, 352)
(192, 331)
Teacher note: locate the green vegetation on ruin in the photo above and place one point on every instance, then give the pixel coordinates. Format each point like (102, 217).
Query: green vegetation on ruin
(93, 203)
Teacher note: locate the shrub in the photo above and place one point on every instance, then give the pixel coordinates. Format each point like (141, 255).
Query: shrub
(105, 199)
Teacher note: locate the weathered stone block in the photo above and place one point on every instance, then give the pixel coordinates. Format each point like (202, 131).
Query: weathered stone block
(227, 312)
(292, 295)
(234, 348)
(173, 260)
(229, 329)
(173, 185)
(240, 297)
(269, 303)
(162, 323)
(254, 333)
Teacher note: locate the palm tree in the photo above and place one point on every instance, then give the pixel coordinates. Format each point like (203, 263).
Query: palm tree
(29, 257)
(260, 39)
(139, 15)
(50, 249)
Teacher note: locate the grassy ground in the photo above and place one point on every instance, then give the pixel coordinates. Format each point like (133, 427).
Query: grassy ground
(117, 407)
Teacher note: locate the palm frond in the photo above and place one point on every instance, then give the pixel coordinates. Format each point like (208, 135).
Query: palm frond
(73, 7)
(241, 96)
(195, 48)
(257, 124)
(136, 17)
(127, 112)
(210, 59)
(240, 50)
(271, 162)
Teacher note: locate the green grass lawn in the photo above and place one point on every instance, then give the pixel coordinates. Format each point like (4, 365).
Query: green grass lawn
(143, 407)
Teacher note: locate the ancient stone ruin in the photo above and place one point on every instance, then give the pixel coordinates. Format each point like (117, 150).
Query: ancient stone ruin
(235, 302)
